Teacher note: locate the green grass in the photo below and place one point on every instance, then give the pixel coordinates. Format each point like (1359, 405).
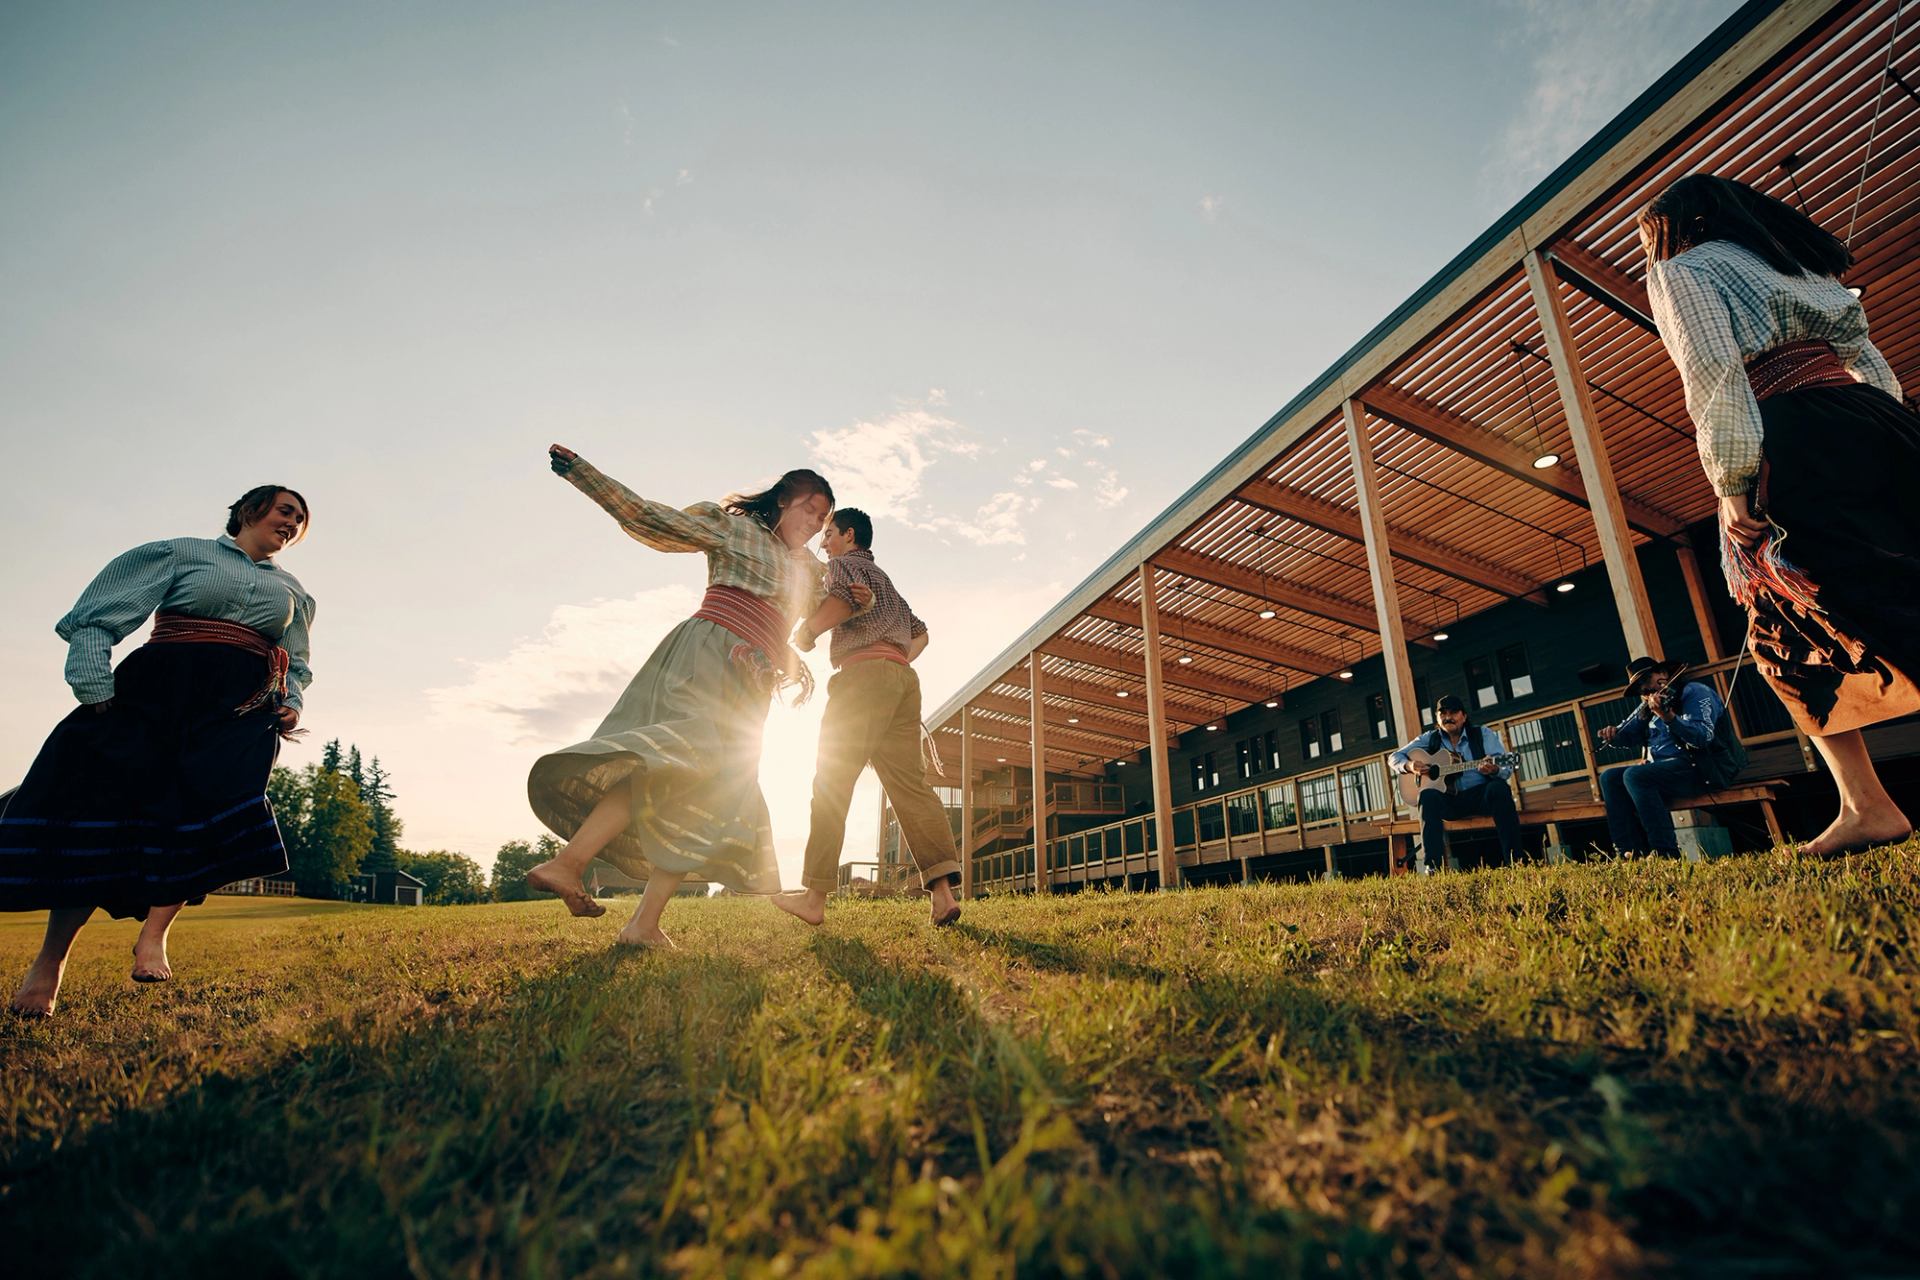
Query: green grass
(1553, 1071)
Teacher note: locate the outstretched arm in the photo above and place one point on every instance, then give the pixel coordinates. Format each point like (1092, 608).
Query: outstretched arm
(701, 527)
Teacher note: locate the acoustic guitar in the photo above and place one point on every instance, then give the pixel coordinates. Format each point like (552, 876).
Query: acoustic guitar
(1432, 772)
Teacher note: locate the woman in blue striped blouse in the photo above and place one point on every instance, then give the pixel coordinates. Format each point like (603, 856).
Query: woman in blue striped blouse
(1816, 462)
(153, 790)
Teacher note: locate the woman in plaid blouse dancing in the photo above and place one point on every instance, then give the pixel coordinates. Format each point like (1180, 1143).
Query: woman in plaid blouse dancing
(1815, 459)
(668, 785)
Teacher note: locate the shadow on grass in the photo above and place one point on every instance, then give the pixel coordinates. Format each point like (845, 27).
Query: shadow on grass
(1708, 1164)
(495, 1133)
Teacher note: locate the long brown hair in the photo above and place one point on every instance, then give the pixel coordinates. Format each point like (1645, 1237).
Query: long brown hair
(257, 501)
(1702, 207)
(765, 505)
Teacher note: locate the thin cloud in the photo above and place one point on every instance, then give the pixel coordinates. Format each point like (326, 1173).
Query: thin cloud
(879, 463)
(1090, 439)
(1210, 206)
(551, 689)
(1061, 482)
(1583, 73)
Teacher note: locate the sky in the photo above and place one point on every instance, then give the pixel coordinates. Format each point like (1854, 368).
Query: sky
(1012, 276)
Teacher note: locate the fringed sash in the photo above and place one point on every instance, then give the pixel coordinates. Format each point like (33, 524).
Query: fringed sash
(178, 628)
(1792, 366)
(763, 651)
(879, 651)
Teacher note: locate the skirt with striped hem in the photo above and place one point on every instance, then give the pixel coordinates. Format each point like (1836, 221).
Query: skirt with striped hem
(159, 799)
(1843, 481)
(686, 735)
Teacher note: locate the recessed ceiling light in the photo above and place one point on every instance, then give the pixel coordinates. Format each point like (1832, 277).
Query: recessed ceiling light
(1563, 587)
(1120, 693)
(1346, 675)
(1186, 659)
(1273, 702)
(1546, 460)
(1000, 759)
(1441, 635)
(1213, 728)
(1073, 719)
(1266, 613)
(1857, 290)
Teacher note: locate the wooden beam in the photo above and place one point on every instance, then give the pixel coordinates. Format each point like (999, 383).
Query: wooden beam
(1317, 513)
(1042, 842)
(1386, 594)
(1100, 695)
(1609, 514)
(1094, 655)
(1225, 573)
(1703, 615)
(966, 802)
(1157, 733)
(1214, 636)
(1467, 437)
(1018, 751)
(1615, 290)
(1073, 719)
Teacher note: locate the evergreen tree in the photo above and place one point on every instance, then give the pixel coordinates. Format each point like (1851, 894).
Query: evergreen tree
(287, 794)
(355, 770)
(330, 757)
(383, 854)
(334, 836)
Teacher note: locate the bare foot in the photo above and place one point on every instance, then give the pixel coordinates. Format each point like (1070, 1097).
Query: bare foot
(655, 941)
(150, 961)
(945, 910)
(555, 877)
(39, 991)
(801, 906)
(1858, 832)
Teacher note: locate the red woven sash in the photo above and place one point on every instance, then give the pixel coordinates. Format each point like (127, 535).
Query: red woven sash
(1794, 365)
(746, 615)
(177, 628)
(879, 651)
(762, 629)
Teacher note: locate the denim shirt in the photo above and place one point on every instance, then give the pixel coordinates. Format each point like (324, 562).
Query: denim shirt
(1694, 718)
(1490, 740)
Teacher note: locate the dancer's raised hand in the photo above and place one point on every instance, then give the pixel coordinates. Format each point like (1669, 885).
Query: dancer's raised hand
(561, 458)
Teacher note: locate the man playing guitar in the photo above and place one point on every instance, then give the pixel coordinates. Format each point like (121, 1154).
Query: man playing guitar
(1481, 790)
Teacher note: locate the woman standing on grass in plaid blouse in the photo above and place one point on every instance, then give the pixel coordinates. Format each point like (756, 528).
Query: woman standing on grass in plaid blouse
(669, 785)
(153, 790)
(1816, 461)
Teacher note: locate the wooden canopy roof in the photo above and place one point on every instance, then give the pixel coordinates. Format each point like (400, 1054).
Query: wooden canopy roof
(1263, 576)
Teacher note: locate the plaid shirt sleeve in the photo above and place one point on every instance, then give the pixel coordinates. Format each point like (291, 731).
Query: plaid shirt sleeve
(1872, 368)
(839, 582)
(1696, 323)
(701, 527)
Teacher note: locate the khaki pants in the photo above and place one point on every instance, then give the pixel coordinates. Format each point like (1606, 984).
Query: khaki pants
(873, 717)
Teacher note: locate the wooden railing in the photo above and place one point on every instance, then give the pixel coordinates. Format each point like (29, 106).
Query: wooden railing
(1558, 745)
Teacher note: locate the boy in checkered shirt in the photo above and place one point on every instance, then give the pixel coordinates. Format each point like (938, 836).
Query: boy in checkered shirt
(872, 717)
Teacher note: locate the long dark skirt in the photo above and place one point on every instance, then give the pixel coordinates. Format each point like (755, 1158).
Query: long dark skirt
(156, 800)
(1843, 480)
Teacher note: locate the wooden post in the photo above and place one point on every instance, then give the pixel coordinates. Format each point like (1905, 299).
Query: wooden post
(1157, 732)
(1702, 605)
(966, 803)
(1596, 468)
(1386, 594)
(1042, 873)
(885, 865)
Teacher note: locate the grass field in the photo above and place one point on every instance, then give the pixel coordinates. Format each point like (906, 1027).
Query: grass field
(1586, 1070)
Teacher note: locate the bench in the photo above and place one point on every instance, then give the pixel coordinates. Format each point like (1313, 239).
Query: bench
(1553, 814)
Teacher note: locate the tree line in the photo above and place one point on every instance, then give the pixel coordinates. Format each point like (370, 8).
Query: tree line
(338, 821)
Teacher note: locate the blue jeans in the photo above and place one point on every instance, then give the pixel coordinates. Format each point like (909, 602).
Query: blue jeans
(1492, 799)
(1636, 797)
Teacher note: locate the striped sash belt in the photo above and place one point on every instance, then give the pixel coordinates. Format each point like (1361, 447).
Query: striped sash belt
(177, 628)
(762, 630)
(1794, 365)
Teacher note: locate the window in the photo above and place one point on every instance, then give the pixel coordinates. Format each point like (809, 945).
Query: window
(1205, 775)
(1330, 731)
(1377, 716)
(1279, 803)
(1213, 823)
(1310, 738)
(1480, 683)
(1243, 814)
(1252, 760)
(1515, 674)
(1273, 750)
(1320, 799)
